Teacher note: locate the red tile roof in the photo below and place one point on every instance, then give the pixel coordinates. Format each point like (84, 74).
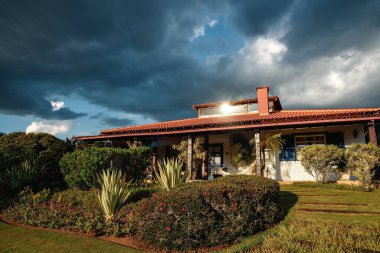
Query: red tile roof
(242, 121)
(239, 102)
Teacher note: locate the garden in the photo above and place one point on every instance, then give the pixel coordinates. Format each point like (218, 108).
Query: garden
(91, 197)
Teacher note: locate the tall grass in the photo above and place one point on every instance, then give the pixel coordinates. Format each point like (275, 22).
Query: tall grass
(169, 173)
(113, 193)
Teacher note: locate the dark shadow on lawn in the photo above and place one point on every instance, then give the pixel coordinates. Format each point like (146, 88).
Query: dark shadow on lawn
(287, 201)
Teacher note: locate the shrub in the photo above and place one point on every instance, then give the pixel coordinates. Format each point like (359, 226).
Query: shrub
(207, 213)
(321, 160)
(170, 173)
(113, 194)
(362, 160)
(74, 210)
(41, 151)
(81, 166)
(329, 185)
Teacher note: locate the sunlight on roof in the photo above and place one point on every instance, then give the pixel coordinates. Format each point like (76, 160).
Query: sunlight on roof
(226, 108)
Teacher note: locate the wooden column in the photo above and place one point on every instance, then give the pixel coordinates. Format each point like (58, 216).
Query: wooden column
(205, 160)
(372, 132)
(189, 156)
(154, 161)
(258, 154)
(135, 142)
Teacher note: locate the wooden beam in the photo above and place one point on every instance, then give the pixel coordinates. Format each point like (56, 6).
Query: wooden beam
(258, 154)
(372, 132)
(189, 156)
(205, 159)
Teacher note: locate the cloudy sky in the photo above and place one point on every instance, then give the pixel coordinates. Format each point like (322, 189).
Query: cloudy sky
(75, 67)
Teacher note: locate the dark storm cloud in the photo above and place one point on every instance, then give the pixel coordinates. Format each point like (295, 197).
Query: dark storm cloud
(257, 17)
(112, 121)
(328, 27)
(134, 56)
(110, 53)
(116, 122)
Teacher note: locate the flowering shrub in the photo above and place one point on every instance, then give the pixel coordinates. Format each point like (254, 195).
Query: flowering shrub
(207, 213)
(73, 210)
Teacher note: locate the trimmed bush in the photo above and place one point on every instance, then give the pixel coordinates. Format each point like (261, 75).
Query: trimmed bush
(207, 213)
(362, 160)
(30, 160)
(81, 167)
(321, 160)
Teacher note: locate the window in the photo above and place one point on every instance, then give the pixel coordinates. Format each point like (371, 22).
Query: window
(215, 155)
(305, 140)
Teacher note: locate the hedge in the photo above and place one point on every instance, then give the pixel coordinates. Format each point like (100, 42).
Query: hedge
(81, 167)
(207, 213)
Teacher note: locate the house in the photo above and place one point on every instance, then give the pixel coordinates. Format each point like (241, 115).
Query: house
(222, 126)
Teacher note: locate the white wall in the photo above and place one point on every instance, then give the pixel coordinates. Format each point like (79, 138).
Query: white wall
(294, 171)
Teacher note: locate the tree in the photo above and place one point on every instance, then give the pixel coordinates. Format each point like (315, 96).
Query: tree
(40, 151)
(362, 160)
(271, 145)
(321, 160)
(198, 152)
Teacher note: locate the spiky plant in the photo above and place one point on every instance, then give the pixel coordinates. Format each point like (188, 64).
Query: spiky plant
(114, 193)
(169, 173)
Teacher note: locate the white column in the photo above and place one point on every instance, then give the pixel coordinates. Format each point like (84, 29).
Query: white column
(189, 156)
(258, 154)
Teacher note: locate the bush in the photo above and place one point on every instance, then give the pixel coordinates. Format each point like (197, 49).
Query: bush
(72, 209)
(321, 160)
(207, 213)
(330, 185)
(41, 152)
(80, 168)
(362, 160)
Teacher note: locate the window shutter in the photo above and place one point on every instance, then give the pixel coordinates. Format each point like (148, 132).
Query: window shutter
(288, 150)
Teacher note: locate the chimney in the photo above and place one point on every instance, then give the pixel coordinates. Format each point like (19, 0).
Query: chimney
(262, 100)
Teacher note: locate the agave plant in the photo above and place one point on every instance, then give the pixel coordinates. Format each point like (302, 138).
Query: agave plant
(169, 173)
(114, 193)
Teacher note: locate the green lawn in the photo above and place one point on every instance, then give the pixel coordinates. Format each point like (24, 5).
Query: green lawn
(16, 239)
(304, 228)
